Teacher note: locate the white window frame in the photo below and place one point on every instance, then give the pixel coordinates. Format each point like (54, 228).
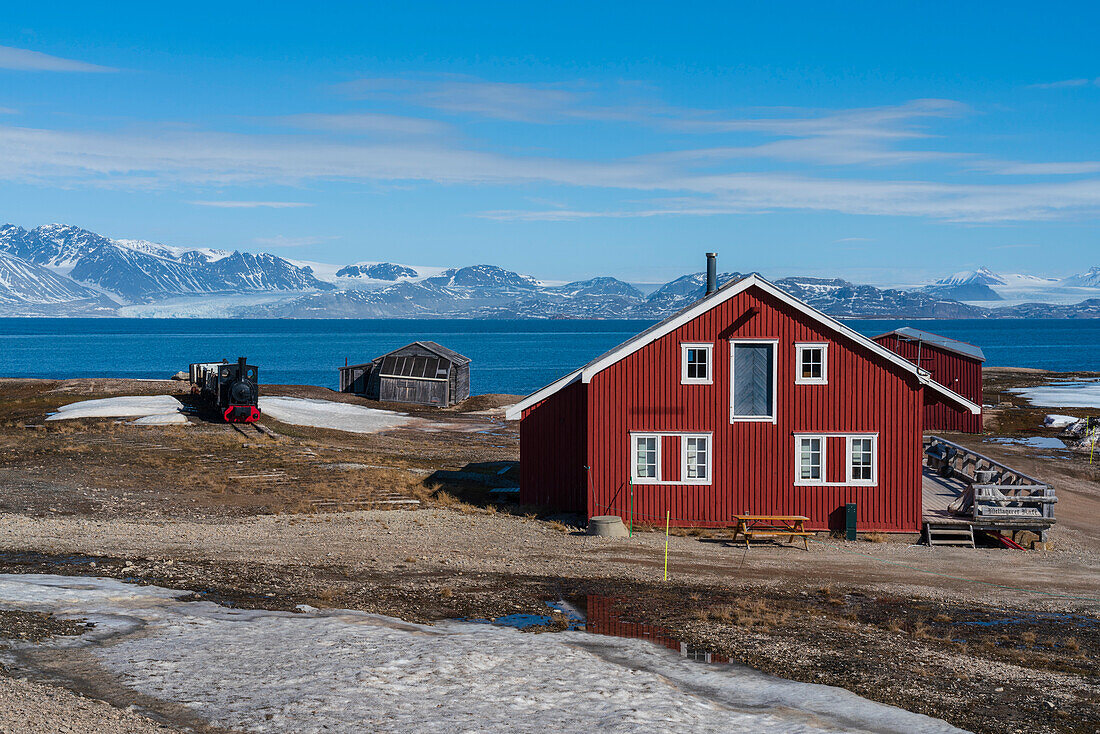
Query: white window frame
(684, 457)
(798, 439)
(849, 439)
(709, 349)
(848, 481)
(660, 479)
(634, 478)
(799, 347)
(775, 383)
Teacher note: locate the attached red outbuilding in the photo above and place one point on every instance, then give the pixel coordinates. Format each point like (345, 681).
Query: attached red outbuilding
(952, 363)
(747, 402)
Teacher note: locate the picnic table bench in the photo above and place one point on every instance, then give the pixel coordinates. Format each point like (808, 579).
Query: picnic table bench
(770, 526)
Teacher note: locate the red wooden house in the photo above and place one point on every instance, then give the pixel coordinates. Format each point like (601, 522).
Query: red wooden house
(747, 402)
(953, 364)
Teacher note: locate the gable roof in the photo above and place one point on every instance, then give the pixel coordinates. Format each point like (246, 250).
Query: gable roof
(943, 342)
(431, 346)
(443, 351)
(726, 292)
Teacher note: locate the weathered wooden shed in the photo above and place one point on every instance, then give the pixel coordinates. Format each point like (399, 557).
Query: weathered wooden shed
(953, 364)
(423, 372)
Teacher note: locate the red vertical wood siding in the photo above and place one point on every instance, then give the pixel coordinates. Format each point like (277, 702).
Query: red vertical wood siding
(753, 462)
(670, 458)
(836, 458)
(952, 370)
(552, 447)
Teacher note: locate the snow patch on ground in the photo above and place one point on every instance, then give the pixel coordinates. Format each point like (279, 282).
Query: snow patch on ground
(345, 671)
(328, 414)
(1062, 395)
(130, 406)
(166, 419)
(1055, 420)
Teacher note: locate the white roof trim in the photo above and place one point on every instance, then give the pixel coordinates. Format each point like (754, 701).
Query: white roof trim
(723, 294)
(515, 412)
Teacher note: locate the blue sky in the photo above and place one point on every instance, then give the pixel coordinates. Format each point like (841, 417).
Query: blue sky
(885, 142)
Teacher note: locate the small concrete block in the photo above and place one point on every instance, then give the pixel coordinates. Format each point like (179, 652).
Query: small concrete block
(607, 526)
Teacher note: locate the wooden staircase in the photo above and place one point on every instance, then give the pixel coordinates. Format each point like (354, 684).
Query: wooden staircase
(943, 534)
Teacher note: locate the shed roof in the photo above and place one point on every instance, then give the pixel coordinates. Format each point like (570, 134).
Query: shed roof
(431, 346)
(441, 350)
(729, 290)
(943, 342)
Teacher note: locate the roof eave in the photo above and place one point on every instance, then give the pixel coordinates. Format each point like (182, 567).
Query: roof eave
(953, 396)
(515, 412)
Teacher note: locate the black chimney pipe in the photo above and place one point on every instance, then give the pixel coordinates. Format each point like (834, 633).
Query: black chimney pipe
(712, 272)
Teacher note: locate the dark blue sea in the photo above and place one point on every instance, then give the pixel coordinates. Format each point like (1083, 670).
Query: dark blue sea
(508, 356)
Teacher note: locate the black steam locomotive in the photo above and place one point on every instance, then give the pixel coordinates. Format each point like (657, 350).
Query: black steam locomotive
(232, 391)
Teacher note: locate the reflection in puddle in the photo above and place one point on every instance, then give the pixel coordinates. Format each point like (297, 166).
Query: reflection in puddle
(601, 619)
(1035, 442)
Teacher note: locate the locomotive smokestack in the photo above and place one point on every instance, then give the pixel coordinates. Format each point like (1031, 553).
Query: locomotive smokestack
(240, 365)
(712, 272)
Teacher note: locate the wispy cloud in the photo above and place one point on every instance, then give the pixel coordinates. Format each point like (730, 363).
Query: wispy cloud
(1067, 84)
(693, 182)
(756, 193)
(22, 59)
(283, 241)
(252, 204)
(468, 95)
(854, 239)
(1064, 168)
(366, 123)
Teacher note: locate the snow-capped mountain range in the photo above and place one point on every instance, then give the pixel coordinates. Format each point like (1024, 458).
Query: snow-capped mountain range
(987, 288)
(62, 270)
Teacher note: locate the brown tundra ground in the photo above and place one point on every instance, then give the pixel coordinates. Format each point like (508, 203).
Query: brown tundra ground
(990, 640)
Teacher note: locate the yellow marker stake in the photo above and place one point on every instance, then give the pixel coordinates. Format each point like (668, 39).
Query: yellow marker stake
(666, 544)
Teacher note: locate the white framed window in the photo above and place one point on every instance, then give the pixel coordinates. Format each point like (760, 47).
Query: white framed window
(696, 364)
(811, 364)
(862, 460)
(647, 462)
(809, 460)
(646, 458)
(695, 459)
(752, 380)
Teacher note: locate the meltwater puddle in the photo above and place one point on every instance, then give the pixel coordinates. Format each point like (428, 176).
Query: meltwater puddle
(339, 670)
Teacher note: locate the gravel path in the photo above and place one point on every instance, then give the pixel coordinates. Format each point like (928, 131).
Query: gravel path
(27, 707)
(447, 541)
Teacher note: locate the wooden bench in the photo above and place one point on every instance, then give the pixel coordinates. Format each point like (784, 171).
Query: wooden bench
(772, 526)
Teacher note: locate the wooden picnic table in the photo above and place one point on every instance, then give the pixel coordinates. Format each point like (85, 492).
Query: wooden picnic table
(770, 526)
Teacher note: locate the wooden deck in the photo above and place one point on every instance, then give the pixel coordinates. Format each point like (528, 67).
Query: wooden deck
(938, 494)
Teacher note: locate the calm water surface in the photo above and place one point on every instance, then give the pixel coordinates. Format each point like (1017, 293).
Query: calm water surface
(508, 356)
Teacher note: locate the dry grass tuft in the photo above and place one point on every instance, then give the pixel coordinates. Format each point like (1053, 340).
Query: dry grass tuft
(753, 613)
(876, 537)
(446, 592)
